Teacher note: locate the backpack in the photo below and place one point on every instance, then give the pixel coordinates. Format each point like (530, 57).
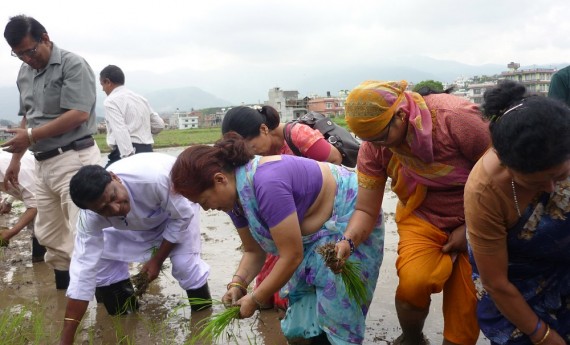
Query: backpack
(337, 136)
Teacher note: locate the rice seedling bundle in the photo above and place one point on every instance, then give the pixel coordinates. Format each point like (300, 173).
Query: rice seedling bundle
(349, 272)
(140, 283)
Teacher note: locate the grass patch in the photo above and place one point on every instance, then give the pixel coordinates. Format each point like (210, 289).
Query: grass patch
(174, 137)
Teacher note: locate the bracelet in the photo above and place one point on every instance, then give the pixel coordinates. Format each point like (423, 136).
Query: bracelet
(545, 336)
(70, 319)
(350, 243)
(255, 300)
(538, 325)
(240, 277)
(238, 285)
(30, 136)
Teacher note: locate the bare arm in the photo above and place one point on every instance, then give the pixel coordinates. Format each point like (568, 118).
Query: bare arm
(250, 265)
(366, 212)
(68, 121)
(13, 170)
(334, 157)
(26, 218)
(493, 271)
(287, 238)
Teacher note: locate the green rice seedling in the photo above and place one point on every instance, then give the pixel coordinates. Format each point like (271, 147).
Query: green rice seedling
(214, 327)
(349, 272)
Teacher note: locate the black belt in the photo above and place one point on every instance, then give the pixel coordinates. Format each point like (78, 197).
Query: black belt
(76, 145)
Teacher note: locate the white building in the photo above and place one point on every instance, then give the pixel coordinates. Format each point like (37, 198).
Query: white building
(184, 120)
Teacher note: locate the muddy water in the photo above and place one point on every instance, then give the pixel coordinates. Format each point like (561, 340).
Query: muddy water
(162, 318)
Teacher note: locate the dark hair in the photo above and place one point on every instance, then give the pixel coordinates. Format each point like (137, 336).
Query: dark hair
(427, 90)
(21, 26)
(88, 184)
(246, 121)
(114, 74)
(530, 133)
(195, 167)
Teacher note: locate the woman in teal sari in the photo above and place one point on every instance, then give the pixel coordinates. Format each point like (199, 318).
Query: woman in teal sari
(287, 206)
(517, 208)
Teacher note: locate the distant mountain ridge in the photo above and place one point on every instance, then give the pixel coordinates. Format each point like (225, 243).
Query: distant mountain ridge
(184, 99)
(167, 92)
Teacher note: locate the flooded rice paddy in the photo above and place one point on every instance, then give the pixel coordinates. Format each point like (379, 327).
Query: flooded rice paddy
(163, 317)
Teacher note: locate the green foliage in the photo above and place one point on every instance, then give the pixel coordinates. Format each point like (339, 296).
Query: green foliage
(432, 84)
(174, 137)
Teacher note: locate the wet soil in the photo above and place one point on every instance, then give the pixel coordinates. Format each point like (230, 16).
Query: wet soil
(163, 318)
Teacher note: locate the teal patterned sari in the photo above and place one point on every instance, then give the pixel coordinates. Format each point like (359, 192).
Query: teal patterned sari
(317, 297)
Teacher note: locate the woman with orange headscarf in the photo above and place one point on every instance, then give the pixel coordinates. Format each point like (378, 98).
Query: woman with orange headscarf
(427, 144)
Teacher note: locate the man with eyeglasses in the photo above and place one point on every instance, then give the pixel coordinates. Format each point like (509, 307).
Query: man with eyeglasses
(57, 105)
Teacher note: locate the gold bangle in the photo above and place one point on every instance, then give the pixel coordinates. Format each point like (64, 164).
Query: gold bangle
(545, 335)
(240, 277)
(238, 285)
(70, 319)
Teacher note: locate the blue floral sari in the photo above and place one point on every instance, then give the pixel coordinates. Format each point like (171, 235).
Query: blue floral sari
(539, 266)
(317, 297)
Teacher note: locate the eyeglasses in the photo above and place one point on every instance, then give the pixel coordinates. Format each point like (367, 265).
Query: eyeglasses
(30, 53)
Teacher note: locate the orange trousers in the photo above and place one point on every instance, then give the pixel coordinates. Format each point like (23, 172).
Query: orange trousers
(423, 269)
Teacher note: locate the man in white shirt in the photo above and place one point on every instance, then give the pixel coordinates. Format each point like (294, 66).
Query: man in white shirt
(25, 192)
(130, 214)
(131, 122)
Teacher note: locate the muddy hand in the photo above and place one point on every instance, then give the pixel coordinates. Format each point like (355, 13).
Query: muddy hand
(247, 306)
(342, 250)
(231, 297)
(152, 269)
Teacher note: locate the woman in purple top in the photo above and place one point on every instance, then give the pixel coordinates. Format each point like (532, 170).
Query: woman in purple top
(285, 205)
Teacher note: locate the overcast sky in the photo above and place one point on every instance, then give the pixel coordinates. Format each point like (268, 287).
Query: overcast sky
(252, 45)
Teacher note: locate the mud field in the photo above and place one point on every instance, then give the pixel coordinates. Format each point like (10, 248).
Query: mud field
(163, 318)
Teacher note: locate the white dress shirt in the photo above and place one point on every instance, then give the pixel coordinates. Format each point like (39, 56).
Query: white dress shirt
(130, 119)
(156, 214)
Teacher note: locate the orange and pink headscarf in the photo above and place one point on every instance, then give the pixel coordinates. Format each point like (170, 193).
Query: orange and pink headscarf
(369, 109)
(371, 105)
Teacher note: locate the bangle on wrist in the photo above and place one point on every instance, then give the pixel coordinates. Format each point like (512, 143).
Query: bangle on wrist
(536, 328)
(257, 303)
(545, 335)
(350, 243)
(242, 287)
(30, 136)
(70, 319)
(241, 278)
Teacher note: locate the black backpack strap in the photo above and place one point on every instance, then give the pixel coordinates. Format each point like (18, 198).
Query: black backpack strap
(287, 134)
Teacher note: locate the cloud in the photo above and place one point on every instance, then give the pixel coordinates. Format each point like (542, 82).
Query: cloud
(237, 50)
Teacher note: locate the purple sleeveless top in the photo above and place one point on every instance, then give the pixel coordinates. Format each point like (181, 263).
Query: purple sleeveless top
(283, 187)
